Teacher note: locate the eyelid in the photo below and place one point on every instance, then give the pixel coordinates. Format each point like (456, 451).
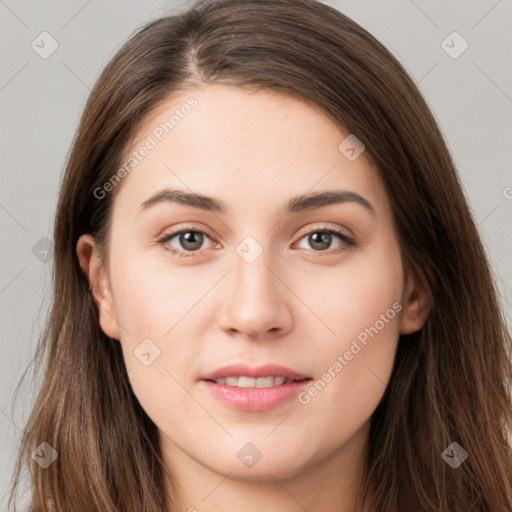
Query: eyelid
(181, 228)
(324, 227)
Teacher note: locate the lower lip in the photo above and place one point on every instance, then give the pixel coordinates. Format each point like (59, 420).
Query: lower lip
(255, 399)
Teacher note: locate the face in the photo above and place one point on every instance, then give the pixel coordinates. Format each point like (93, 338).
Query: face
(317, 288)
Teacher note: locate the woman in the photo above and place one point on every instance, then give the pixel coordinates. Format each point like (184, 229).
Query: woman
(255, 369)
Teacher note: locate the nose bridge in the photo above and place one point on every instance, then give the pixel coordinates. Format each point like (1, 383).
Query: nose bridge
(255, 301)
(252, 274)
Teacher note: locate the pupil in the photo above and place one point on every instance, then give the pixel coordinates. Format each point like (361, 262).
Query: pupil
(188, 238)
(322, 238)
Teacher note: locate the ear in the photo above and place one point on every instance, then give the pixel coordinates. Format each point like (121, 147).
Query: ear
(90, 263)
(417, 300)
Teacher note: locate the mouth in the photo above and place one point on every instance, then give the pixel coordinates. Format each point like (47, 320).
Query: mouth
(254, 389)
(244, 381)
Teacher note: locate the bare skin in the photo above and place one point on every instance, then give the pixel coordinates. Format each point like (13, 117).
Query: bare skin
(300, 303)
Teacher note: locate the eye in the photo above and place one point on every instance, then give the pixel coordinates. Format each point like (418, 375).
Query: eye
(190, 240)
(321, 239)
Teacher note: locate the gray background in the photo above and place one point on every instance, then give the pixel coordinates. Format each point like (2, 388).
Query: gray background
(41, 101)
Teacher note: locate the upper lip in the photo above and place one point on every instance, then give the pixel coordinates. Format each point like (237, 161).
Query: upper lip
(266, 370)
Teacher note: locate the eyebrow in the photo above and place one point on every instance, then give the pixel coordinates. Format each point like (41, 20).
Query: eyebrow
(296, 204)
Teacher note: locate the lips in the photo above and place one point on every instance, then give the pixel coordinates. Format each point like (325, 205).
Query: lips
(267, 370)
(254, 399)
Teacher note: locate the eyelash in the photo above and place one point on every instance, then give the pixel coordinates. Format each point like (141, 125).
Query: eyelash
(348, 242)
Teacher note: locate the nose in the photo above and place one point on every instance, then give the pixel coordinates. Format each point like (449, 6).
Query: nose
(256, 303)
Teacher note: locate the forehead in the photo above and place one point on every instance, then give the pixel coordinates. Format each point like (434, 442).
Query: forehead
(226, 141)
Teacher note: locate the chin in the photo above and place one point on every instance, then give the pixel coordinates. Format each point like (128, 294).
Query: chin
(276, 464)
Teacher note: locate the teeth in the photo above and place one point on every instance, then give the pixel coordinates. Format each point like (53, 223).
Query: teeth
(232, 381)
(250, 382)
(279, 380)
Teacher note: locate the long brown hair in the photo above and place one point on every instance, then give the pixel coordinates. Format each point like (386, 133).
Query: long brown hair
(451, 379)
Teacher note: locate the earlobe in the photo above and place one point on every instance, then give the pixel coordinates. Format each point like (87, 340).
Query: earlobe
(91, 265)
(417, 303)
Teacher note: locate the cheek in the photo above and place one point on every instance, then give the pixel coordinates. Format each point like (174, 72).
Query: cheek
(363, 314)
(151, 298)
(147, 305)
(366, 291)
